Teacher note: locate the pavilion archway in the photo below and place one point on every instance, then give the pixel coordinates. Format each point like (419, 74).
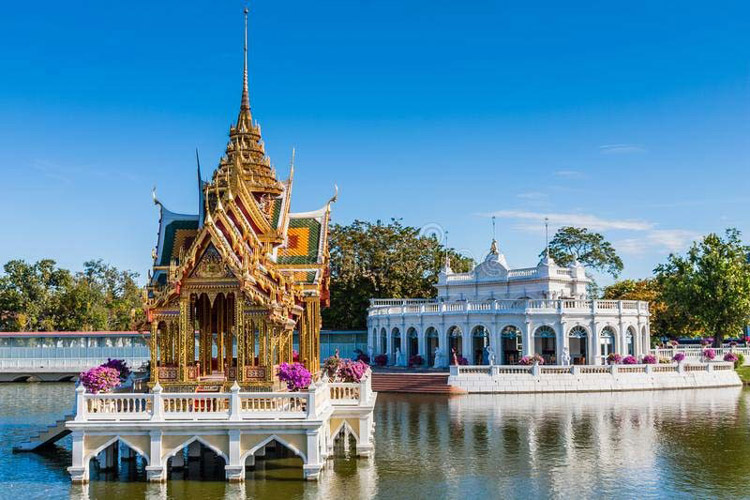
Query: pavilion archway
(607, 344)
(432, 340)
(455, 342)
(412, 342)
(511, 345)
(577, 345)
(545, 344)
(480, 339)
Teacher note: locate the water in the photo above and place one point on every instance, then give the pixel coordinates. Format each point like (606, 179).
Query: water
(644, 444)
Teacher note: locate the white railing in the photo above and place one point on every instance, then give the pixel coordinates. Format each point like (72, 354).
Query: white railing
(387, 307)
(235, 405)
(579, 370)
(695, 352)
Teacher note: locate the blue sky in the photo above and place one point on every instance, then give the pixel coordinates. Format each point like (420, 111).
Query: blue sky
(631, 118)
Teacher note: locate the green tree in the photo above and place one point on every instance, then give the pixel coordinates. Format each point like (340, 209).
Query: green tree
(590, 249)
(42, 297)
(29, 295)
(665, 321)
(711, 283)
(371, 260)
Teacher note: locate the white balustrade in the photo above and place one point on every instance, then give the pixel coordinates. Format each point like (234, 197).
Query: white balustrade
(235, 405)
(583, 370)
(386, 307)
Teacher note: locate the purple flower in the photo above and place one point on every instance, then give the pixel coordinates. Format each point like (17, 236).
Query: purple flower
(295, 375)
(730, 356)
(629, 360)
(100, 379)
(709, 354)
(614, 359)
(352, 371)
(416, 360)
(120, 365)
(530, 360)
(649, 359)
(680, 356)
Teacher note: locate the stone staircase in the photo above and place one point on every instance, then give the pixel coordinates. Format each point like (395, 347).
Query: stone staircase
(421, 383)
(45, 437)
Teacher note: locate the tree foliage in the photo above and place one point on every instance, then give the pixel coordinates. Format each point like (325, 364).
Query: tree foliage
(43, 297)
(711, 284)
(590, 249)
(371, 260)
(665, 321)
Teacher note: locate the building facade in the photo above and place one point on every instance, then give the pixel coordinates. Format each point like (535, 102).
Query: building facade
(541, 310)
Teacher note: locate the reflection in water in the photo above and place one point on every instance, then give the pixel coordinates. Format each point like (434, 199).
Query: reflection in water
(654, 444)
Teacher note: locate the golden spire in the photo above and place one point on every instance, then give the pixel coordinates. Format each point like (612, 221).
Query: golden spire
(245, 118)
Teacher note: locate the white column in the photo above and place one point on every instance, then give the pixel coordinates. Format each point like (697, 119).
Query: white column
(155, 470)
(443, 345)
(364, 442)
(314, 464)
(235, 469)
(422, 345)
(79, 470)
(528, 339)
(560, 342)
(389, 344)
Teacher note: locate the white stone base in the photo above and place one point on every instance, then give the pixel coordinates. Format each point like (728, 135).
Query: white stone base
(607, 379)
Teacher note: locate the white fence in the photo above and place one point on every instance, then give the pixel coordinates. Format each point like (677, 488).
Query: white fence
(542, 370)
(695, 353)
(380, 307)
(235, 405)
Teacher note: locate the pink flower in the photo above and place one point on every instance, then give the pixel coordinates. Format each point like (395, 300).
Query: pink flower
(649, 359)
(709, 354)
(629, 360)
(295, 375)
(100, 379)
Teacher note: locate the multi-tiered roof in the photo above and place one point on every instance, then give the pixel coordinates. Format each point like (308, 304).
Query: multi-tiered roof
(244, 223)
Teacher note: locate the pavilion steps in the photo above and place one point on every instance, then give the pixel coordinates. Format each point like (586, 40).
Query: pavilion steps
(409, 382)
(47, 436)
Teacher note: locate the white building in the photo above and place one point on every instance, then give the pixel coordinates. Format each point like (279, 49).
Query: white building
(538, 310)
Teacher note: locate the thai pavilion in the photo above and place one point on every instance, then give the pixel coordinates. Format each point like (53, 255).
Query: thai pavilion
(230, 286)
(231, 283)
(541, 310)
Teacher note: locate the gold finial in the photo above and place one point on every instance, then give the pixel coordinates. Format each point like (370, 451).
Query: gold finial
(245, 92)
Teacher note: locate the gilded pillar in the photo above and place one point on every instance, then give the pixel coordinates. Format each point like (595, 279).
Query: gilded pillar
(154, 375)
(241, 335)
(182, 334)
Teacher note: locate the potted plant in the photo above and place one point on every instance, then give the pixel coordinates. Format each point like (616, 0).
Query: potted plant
(352, 371)
(629, 360)
(100, 379)
(709, 354)
(650, 359)
(679, 357)
(416, 360)
(614, 359)
(381, 359)
(295, 375)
